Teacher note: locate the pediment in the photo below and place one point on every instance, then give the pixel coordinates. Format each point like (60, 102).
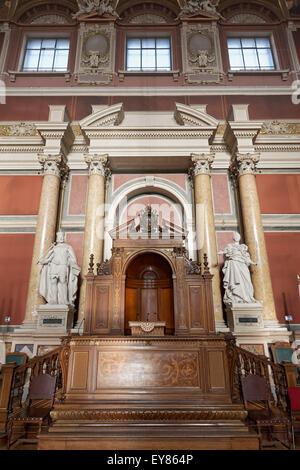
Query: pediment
(146, 225)
(101, 116)
(193, 116)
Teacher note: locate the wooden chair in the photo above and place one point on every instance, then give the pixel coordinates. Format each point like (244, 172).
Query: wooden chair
(283, 352)
(294, 397)
(265, 420)
(37, 412)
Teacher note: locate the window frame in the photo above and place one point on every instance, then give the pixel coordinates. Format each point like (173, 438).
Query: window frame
(42, 36)
(155, 37)
(254, 35)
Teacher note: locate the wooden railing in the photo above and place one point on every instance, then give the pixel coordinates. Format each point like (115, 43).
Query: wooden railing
(16, 380)
(243, 363)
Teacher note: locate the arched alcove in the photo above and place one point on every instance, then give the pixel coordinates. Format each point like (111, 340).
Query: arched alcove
(149, 291)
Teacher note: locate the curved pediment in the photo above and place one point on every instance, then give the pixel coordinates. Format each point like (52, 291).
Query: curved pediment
(107, 116)
(192, 116)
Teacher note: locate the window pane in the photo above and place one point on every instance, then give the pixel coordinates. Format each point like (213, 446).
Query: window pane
(148, 43)
(163, 59)
(265, 58)
(61, 60)
(46, 59)
(34, 43)
(31, 60)
(133, 43)
(248, 42)
(236, 59)
(163, 43)
(251, 60)
(234, 43)
(133, 60)
(62, 44)
(48, 43)
(148, 59)
(263, 42)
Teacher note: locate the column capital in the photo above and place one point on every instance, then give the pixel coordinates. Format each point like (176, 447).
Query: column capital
(54, 165)
(244, 164)
(201, 163)
(98, 164)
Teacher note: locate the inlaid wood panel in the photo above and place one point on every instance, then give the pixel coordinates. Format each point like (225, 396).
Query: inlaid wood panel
(138, 369)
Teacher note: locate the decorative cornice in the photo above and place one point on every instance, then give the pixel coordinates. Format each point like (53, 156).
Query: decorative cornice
(201, 163)
(54, 165)
(98, 165)
(148, 134)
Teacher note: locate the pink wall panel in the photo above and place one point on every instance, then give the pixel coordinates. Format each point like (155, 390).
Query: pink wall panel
(20, 194)
(284, 259)
(78, 193)
(175, 178)
(279, 194)
(223, 238)
(76, 241)
(221, 195)
(15, 261)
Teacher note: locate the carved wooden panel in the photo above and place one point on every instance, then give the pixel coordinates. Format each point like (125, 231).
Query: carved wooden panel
(102, 302)
(217, 381)
(196, 307)
(80, 363)
(138, 369)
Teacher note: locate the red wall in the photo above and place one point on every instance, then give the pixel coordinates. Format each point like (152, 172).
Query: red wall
(20, 195)
(15, 261)
(283, 250)
(279, 194)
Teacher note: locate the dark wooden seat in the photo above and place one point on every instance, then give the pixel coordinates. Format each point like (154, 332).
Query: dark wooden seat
(36, 412)
(267, 421)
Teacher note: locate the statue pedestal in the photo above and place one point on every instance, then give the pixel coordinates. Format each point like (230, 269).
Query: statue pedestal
(55, 318)
(142, 328)
(245, 317)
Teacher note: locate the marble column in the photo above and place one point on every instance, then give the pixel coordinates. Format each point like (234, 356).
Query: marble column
(205, 225)
(94, 221)
(54, 168)
(244, 168)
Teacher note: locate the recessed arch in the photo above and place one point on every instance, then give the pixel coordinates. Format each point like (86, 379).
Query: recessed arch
(156, 185)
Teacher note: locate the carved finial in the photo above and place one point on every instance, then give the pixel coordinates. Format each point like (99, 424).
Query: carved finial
(205, 263)
(91, 265)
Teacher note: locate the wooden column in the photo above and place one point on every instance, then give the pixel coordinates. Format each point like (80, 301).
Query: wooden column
(94, 221)
(205, 223)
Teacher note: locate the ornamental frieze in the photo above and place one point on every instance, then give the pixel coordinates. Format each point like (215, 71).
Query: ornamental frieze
(21, 129)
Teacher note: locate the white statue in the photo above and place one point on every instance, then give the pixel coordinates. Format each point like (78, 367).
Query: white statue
(193, 6)
(60, 273)
(101, 7)
(237, 280)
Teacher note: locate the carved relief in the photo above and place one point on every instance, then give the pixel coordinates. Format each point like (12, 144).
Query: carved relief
(201, 54)
(147, 18)
(100, 7)
(19, 130)
(95, 54)
(172, 369)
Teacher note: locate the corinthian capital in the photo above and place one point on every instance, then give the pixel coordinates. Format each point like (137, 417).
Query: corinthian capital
(244, 164)
(54, 165)
(201, 163)
(98, 165)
